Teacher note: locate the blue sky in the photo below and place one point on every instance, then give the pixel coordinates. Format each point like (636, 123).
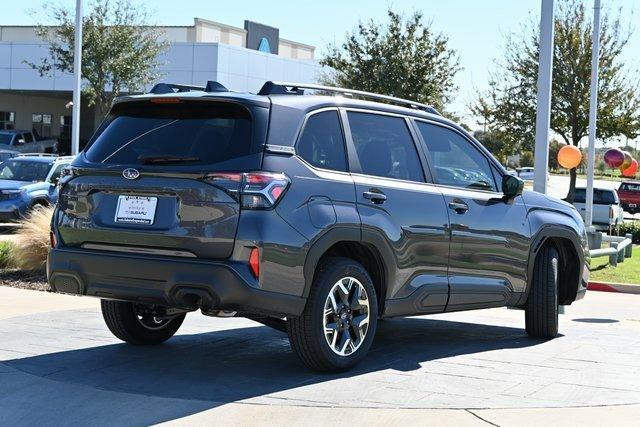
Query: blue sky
(475, 28)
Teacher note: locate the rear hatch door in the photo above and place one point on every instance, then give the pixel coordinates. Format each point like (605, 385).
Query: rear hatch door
(160, 177)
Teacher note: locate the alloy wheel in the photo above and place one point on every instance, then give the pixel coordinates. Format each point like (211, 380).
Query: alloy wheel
(346, 316)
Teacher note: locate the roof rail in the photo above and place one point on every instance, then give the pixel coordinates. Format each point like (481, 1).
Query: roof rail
(37, 155)
(164, 88)
(288, 88)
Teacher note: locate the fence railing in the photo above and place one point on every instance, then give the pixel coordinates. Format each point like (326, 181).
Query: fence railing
(619, 249)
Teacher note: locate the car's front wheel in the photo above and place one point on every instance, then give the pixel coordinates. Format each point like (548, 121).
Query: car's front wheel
(541, 310)
(140, 324)
(338, 324)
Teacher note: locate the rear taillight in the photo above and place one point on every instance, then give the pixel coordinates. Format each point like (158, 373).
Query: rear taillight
(254, 190)
(52, 239)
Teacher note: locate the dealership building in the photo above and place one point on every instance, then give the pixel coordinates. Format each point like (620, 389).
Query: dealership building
(242, 59)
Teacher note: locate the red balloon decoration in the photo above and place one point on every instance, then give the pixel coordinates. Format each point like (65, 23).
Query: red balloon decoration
(631, 171)
(627, 161)
(613, 158)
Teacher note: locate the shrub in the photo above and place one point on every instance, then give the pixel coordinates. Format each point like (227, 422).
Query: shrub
(5, 254)
(633, 228)
(31, 243)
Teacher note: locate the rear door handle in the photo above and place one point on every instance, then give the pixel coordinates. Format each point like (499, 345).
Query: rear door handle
(375, 197)
(459, 207)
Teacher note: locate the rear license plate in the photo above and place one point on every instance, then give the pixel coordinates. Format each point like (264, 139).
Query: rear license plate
(633, 205)
(136, 209)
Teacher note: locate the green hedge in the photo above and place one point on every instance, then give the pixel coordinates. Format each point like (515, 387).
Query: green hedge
(633, 228)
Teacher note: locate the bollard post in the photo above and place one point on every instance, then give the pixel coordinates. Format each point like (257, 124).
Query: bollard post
(628, 250)
(621, 255)
(613, 259)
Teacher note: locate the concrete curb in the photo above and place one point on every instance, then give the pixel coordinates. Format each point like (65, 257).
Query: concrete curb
(625, 288)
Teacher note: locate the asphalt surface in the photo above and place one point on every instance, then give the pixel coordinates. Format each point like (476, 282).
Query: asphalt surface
(64, 367)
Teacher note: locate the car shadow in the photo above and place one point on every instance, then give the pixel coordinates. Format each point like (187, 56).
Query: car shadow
(210, 369)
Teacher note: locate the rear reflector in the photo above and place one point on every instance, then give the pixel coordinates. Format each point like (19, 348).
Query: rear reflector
(254, 262)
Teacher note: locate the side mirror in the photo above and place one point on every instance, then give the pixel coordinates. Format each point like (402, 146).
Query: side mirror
(512, 186)
(55, 180)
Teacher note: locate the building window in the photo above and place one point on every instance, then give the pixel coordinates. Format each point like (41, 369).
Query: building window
(7, 120)
(41, 124)
(65, 127)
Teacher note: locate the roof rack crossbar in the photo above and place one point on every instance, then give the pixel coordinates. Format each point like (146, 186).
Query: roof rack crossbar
(289, 88)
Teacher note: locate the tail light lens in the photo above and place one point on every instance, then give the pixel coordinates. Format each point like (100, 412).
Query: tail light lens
(254, 190)
(254, 262)
(52, 239)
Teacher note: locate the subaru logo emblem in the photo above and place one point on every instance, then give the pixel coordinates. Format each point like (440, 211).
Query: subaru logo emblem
(130, 173)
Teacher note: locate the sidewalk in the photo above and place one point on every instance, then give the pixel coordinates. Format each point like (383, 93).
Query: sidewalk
(21, 302)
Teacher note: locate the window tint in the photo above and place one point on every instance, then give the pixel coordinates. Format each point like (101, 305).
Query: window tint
(56, 172)
(627, 186)
(321, 143)
(455, 161)
(27, 137)
(600, 197)
(385, 147)
(187, 133)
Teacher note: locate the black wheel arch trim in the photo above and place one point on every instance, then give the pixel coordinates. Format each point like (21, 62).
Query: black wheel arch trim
(546, 232)
(352, 234)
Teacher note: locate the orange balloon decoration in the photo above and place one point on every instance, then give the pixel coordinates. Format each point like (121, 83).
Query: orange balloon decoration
(627, 161)
(569, 157)
(631, 170)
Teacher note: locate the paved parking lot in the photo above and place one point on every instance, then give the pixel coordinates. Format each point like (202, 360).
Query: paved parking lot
(64, 366)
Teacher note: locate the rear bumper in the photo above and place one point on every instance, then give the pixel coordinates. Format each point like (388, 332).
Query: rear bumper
(167, 281)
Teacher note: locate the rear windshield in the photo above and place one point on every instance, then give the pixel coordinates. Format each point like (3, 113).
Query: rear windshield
(218, 135)
(600, 197)
(627, 186)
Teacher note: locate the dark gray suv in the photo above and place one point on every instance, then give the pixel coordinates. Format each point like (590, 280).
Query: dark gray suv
(313, 214)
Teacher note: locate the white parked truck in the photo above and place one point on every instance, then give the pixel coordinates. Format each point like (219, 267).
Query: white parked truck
(24, 141)
(607, 212)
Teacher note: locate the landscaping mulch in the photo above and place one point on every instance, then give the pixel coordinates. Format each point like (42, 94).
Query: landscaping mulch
(33, 280)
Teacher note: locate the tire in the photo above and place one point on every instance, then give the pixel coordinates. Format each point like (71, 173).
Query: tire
(307, 332)
(122, 319)
(541, 310)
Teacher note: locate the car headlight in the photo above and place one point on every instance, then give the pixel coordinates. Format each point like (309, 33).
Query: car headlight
(12, 194)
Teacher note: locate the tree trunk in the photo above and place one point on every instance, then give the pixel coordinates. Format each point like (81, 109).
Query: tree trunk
(572, 185)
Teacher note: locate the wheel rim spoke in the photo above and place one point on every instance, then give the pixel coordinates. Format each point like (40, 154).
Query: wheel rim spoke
(346, 316)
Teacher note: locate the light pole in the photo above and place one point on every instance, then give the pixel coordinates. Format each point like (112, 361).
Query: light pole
(543, 111)
(593, 113)
(77, 81)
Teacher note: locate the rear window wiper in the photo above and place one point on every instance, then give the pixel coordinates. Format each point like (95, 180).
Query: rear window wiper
(167, 159)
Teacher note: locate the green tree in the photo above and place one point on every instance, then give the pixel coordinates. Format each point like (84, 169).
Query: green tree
(509, 105)
(402, 58)
(119, 49)
(494, 143)
(526, 159)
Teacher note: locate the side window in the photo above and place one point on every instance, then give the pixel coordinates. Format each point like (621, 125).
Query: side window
(18, 139)
(27, 137)
(56, 172)
(385, 147)
(322, 143)
(455, 161)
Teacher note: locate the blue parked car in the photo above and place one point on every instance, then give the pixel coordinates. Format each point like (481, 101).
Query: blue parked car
(29, 180)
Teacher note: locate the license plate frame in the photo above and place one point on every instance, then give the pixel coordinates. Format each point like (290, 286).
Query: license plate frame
(139, 210)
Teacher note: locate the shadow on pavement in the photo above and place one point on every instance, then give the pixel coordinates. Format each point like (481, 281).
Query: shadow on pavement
(225, 366)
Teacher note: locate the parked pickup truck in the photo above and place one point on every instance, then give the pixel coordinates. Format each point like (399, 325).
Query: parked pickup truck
(607, 212)
(629, 194)
(25, 141)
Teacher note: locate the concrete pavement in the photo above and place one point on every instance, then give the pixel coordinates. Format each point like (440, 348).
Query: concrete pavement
(474, 368)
